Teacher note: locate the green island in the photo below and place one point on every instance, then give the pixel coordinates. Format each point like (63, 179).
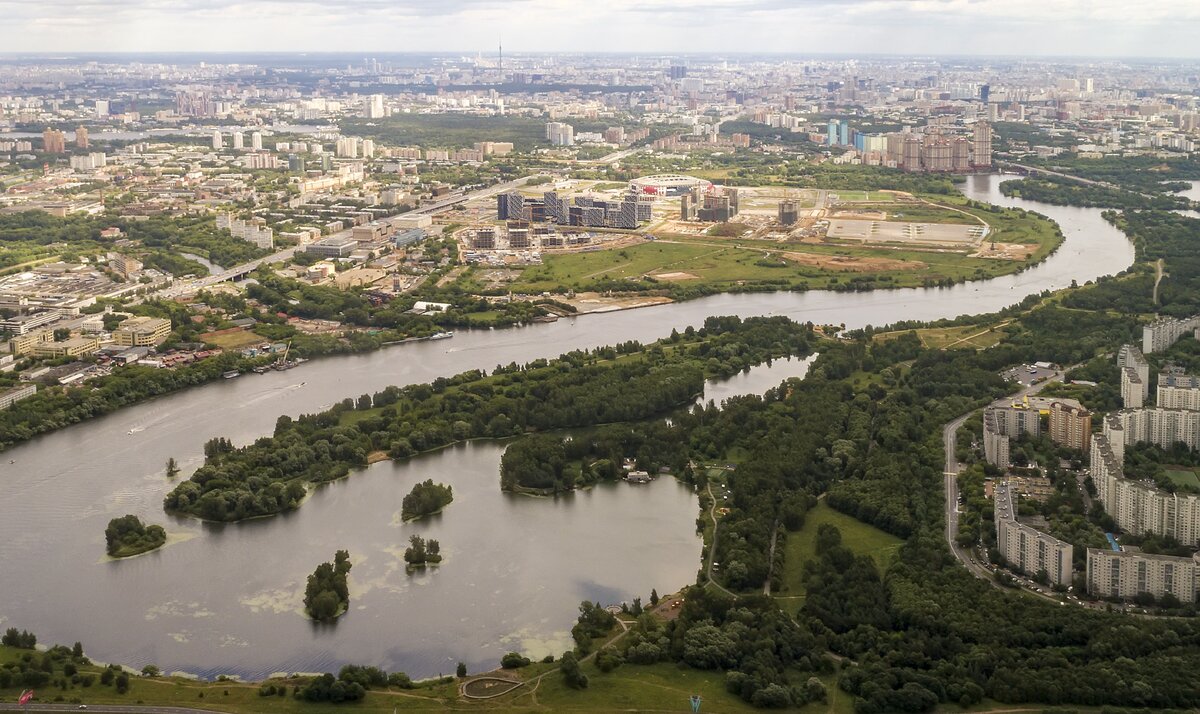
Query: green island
(421, 552)
(327, 594)
(128, 536)
(628, 382)
(425, 499)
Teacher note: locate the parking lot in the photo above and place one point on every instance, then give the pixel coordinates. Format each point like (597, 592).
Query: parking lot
(1028, 374)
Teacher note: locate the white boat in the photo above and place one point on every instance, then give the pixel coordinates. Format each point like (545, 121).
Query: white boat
(441, 336)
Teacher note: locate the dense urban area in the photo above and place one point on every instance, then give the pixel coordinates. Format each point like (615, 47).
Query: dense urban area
(965, 296)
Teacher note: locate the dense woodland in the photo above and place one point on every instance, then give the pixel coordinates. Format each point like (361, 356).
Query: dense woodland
(127, 536)
(579, 389)
(1066, 192)
(327, 594)
(425, 498)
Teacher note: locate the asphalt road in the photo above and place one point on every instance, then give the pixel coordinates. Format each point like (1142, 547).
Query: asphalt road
(950, 477)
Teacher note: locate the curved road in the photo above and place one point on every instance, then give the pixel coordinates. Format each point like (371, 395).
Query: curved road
(950, 477)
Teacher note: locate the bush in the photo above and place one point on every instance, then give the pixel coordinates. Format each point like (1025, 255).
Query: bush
(513, 660)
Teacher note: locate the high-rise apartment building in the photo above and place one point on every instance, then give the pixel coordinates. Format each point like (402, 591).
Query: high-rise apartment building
(1027, 549)
(982, 142)
(789, 212)
(53, 141)
(239, 140)
(217, 142)
(560, 133)
(81, 137)
(1070, 426)
(256, 141)
(1124, 574)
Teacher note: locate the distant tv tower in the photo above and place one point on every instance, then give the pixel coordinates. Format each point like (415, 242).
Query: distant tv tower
(501, 55)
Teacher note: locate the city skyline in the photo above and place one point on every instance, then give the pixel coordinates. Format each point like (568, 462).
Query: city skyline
(907, 27)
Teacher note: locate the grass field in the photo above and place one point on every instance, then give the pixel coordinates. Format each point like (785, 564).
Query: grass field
(802, 545)
(862, 196)
(234, 340)
(1183, 477)
(962, 337)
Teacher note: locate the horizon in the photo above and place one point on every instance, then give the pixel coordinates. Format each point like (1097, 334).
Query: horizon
(924, 28)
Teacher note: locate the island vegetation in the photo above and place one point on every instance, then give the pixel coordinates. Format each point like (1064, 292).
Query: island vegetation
(426, 498)
(327, 594)
(625, 383)
(127, 536)
(421, 552)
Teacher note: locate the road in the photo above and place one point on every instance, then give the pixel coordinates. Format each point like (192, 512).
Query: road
(712, 551)
(104, 708)
(192, 286)
(1048, 172)
(950, 477)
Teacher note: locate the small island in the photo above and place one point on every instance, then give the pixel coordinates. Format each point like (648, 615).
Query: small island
(127, 536)
(327, 596)
(421, 552)
(425, 499)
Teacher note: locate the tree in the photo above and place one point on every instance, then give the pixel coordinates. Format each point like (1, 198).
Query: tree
(653, 597)
(327, 594)
(172, 467)
(574, 678)
(461, 670)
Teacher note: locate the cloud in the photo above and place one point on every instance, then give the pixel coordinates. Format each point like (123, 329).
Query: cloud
(1014, 27)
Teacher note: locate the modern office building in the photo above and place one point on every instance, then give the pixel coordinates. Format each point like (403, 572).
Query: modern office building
(333, 247)
(71, 347)
(1124, 575)
(1025, 548)
(142, 332)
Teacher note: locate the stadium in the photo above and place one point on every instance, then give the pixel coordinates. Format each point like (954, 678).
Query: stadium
(668, 184)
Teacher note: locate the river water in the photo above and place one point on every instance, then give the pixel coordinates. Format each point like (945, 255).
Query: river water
(226, 599)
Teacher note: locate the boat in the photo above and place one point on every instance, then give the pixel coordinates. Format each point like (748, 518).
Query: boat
(441, 336)
(231, 374)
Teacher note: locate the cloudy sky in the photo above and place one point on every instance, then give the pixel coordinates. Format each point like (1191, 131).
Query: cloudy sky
(1162, 28)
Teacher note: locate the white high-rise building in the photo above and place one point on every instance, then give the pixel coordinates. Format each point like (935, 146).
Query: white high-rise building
(256, 141)
(217, 142)
(374, 107)
(101, 108)
(560, 133)
(239, 140)
(368, 148)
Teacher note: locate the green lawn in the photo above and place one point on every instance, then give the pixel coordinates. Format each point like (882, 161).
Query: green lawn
(1183, 477)
(801, 547)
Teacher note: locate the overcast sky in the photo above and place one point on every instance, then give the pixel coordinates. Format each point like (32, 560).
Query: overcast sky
(1123, 28)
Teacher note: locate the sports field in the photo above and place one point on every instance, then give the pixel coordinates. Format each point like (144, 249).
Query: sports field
(1184, 477)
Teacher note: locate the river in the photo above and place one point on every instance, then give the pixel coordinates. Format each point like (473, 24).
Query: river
(226, 599)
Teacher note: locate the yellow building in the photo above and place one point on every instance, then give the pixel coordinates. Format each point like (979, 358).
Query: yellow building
(72, 347)
(25, 344)
(142, 332)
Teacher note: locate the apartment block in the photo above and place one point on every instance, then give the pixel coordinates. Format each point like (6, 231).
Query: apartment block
(1177, 390)
(1135, 376)
(1160, 335)
(1123, 574)
(1025, 548)
(1070, 426)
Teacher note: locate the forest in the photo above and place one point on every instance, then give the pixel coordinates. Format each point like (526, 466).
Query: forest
(625, 383)
(1065, 192)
